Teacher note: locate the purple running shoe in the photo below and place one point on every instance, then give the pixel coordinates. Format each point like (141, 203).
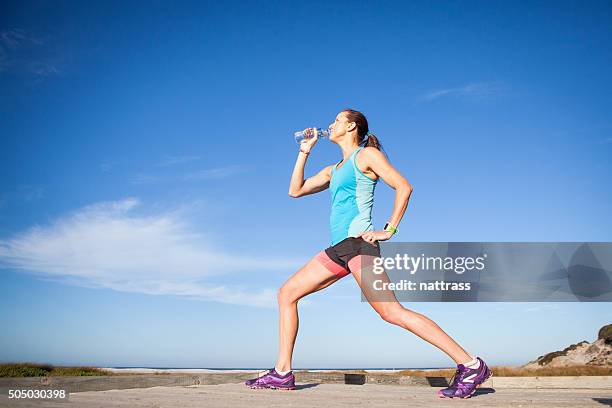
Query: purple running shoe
(466, 380)
(273, 380)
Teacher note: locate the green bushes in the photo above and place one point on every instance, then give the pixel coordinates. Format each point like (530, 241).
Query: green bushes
(43, 370)
(606, 334)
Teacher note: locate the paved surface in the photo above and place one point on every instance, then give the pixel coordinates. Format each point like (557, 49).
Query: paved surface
(323, 396)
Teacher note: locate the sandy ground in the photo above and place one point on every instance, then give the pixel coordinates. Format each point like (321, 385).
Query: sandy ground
(322, 395)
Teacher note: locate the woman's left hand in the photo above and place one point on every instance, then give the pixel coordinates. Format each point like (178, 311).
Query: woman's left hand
(371, 236)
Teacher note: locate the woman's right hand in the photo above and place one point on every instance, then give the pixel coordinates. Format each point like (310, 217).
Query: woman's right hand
(307, 144)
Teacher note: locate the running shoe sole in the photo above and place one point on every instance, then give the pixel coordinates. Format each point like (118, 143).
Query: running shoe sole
(271, 387)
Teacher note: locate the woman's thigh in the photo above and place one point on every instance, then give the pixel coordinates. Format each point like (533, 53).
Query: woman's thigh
(362, 268)
(312, 277)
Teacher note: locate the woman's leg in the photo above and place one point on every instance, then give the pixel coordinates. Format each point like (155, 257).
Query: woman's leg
(386, 305)
(310, 278)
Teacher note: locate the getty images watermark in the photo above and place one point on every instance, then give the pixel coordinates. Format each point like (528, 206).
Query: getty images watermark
(490, 272)
(414, 264)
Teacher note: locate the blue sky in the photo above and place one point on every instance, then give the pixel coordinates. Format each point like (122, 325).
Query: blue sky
(147, 149)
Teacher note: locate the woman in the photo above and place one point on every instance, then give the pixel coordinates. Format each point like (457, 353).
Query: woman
(353, 247)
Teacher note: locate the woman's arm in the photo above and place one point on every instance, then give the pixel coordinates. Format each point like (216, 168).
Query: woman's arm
(319, 182)
(374, 160)
(298, 187)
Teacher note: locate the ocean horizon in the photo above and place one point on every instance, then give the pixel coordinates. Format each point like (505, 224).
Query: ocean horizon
(235, 369)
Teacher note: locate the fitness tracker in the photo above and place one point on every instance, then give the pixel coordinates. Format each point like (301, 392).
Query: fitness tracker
(390, 228)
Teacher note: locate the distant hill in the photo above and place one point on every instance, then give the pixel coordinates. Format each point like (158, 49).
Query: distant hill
(598, 353)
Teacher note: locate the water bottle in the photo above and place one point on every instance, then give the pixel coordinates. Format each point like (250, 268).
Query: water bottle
(308, 133)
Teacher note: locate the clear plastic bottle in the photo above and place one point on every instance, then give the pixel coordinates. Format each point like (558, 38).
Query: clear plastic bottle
(308, 133)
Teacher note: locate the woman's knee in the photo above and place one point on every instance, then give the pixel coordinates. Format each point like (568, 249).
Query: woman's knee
(392, 313)
(286, 296)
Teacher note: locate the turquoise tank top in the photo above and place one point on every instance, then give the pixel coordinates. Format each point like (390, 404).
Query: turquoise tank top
(352, 198)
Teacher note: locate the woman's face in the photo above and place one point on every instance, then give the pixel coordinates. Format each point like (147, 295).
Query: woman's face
(339, 128)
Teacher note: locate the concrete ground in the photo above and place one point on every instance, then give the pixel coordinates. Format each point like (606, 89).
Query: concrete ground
(322, 395)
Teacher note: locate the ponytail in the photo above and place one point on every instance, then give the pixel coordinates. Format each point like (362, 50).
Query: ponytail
(371, 141)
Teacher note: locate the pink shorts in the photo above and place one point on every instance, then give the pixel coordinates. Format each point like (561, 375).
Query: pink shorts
(331, 266)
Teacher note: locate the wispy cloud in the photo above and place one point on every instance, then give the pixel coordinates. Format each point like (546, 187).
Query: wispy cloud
(205, 174)
(109, 245)
(174, 160)
(14, 38)
(43, 69)
(25, 52)
(478, 90)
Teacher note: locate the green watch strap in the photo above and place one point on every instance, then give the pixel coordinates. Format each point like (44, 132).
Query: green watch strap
(390, 228)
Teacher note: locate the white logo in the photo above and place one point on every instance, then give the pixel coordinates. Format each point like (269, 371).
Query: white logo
(470, 378)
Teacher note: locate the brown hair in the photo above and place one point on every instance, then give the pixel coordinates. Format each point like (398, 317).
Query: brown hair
(363, 132)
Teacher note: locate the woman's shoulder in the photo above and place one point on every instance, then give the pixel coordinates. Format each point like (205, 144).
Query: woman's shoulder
(367, 156)
(370, 154)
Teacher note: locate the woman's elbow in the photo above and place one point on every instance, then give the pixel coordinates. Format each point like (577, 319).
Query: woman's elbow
(407, 187)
